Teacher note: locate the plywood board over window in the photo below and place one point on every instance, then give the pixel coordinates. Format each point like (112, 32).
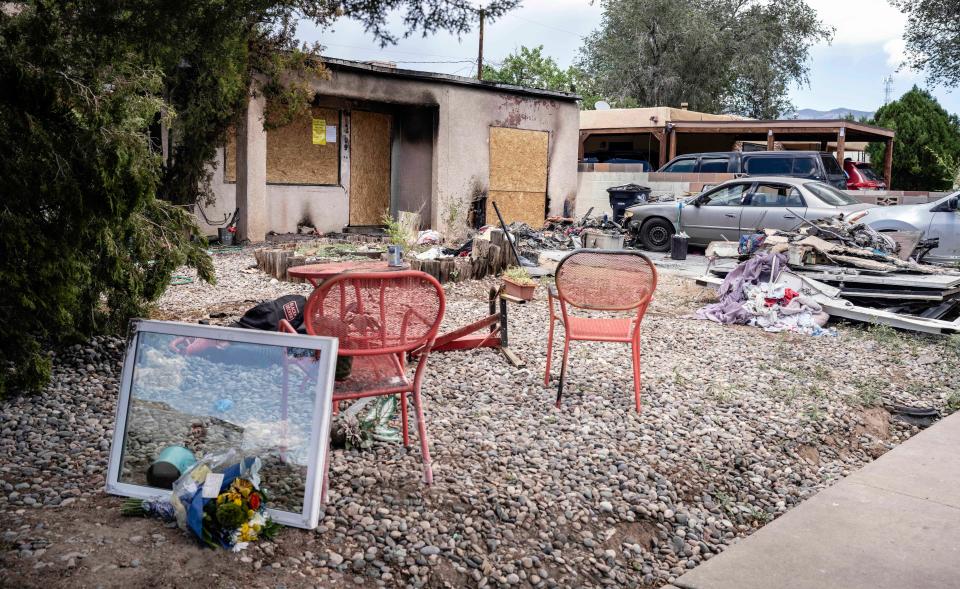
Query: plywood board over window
(370, 143)
(294, 158)
(292, 155)
(518, 174)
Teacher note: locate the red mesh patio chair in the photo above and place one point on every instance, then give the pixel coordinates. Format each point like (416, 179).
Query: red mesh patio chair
(601, 280)
(378, 318)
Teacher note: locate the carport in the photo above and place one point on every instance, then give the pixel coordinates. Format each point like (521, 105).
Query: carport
(702, 136)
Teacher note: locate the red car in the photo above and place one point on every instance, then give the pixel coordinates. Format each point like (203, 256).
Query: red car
(860, 176)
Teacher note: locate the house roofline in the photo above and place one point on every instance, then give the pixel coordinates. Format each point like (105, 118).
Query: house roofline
(359, 66)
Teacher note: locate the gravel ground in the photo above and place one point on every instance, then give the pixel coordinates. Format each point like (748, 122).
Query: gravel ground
(738, 426)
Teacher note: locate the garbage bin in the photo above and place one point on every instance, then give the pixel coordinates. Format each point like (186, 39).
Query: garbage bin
(679, 244)
(625, 196)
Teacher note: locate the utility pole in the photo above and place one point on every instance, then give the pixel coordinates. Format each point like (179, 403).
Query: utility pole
(480, 52)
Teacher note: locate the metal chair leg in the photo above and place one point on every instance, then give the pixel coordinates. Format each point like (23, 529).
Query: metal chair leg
(635, 349)
(546, 377)
(422, 430)
(405, 419)
(563, 369)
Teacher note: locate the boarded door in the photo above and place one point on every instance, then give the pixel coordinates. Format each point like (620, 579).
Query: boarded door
(518, 175)
(369, 167)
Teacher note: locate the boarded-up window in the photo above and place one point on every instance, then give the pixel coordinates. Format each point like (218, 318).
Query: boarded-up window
(518, 175)
(307, 151)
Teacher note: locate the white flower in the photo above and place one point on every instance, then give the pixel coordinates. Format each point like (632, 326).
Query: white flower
(240, 546)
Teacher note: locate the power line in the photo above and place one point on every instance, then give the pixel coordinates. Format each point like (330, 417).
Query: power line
(377, 50)
(470, 61)
(540, 24)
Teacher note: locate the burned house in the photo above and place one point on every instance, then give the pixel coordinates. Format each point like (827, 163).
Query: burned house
(380, 140)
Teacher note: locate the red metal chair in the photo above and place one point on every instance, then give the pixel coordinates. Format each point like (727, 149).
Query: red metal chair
(378, 318)
(601, 280)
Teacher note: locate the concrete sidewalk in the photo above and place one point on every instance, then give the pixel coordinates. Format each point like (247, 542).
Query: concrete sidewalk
(895, 524)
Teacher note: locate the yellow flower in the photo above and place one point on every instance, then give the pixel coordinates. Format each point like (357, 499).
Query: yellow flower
(242, 486)
(237, 501)
(247, 534)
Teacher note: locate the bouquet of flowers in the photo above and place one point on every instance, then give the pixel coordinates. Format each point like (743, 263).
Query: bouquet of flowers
(218, 500)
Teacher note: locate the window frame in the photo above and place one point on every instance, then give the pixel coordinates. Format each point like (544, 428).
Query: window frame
(790, 187)
(704, 200)
(692, 170)
(317, 464)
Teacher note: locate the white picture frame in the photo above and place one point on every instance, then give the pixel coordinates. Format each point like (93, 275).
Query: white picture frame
(318, 454)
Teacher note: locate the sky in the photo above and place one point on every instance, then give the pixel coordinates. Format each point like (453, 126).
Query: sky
(847, 73)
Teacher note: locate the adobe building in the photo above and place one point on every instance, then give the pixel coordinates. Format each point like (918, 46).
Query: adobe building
(381, 140)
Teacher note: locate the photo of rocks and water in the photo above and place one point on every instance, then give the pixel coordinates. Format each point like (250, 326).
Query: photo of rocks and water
(211, 395)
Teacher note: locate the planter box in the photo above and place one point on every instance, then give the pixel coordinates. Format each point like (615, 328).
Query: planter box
(521, 291)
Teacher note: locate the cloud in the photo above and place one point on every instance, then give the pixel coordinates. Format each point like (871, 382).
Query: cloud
(864, 22)
(896, 52)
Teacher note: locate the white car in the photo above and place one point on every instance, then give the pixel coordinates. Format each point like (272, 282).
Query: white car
(939, 219)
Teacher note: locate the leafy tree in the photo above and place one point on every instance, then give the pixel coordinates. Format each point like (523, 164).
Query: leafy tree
(933, 38)
(716, 55)
(89, 228)
(927, 138)
(531, 69)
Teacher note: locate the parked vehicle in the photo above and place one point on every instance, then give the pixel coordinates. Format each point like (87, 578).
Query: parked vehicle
(860, 176)
(618, 157)
(740, 207)
(814, 165)
(939, 219)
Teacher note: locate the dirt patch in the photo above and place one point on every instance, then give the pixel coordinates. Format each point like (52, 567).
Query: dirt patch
(641, 532)
(89, 544)
(875, 422)
(810, 454)
(443, 575)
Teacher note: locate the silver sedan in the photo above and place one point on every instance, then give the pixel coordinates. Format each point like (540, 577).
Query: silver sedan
(740, 207)
(939, 219)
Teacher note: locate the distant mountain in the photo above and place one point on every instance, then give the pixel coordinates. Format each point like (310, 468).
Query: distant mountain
(836, 113)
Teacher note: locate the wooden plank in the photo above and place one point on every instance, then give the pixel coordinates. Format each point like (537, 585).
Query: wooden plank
(528, 207)
(518, 160)
(513, 358)
(471, 342)
(293, 158)
(369, 167)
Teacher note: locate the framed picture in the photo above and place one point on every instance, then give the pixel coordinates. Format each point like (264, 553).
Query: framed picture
(187, 390)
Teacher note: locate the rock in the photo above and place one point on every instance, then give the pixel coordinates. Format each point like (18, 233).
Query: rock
(334, 559)
(429, 550)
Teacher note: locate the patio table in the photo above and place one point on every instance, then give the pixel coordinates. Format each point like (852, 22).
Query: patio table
(316, 274)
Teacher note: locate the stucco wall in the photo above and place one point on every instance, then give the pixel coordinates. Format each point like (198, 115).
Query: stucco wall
(225, 199)
(463, 146)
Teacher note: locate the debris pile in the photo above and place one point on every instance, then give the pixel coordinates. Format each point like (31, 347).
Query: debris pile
(561, 233)
(853, 271)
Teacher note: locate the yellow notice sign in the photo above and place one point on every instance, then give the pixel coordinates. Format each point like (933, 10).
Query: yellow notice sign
(319, 131)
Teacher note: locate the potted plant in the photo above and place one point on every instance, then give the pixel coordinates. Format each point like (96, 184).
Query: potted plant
(517, 283)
